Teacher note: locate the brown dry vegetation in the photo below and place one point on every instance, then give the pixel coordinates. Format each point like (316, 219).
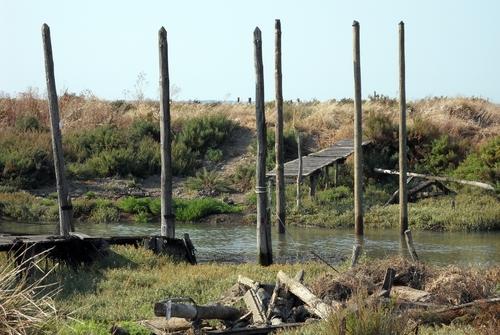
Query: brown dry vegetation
(471, 118)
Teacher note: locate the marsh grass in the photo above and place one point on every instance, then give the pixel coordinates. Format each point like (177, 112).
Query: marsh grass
(26, 302)
(123, 287)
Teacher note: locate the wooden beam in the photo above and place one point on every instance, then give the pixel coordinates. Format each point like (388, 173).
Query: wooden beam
(448, 179)
(65, 208)
(279, 142)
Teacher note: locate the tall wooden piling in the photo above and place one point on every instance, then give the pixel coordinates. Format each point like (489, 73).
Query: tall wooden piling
(167, 217)
(279, 143)
(403, 191)
(299, 171)
(264, 247)
(358, 155)
(65, 209)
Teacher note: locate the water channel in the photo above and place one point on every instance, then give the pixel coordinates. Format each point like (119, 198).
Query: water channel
(236, 242)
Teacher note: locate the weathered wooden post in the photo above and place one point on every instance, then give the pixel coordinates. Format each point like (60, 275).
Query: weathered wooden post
(313, 183)
(65, 209)
(167, 217)
(264, 247)
(358, 155)
(403, 190)
(336, 174)
(279, 143)
(299, 170)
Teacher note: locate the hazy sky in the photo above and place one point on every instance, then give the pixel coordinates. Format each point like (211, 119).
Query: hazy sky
(453, 46)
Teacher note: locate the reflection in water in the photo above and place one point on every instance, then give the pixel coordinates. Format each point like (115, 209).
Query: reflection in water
(236, 243)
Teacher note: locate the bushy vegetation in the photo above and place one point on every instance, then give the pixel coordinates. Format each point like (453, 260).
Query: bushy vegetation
(24, 207)
(108, 150)
(185, 210)
(208, 183)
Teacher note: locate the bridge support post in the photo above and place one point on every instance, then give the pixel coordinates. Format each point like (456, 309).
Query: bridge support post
(313, 183)
(358, 154)
(264, 247)
(403, 185)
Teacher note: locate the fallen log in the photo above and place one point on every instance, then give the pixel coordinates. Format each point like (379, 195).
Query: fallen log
(170, 309)
(410, 294)
(161, 326)
(318, 306)
(454, 180)
(410, 245)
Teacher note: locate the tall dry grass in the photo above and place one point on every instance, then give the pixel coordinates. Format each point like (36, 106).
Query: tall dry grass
(26, 304)
(471, 118)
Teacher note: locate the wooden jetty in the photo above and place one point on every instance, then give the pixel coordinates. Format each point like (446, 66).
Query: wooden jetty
(316, 161)
(80, 248)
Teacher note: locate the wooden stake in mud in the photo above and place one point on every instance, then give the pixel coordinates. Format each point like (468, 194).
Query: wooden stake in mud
(403, 190)
(279, 144)
(167, 217)
(358, 158)
(299, 171)
(410, 245)
(65, 209)
(264, 247)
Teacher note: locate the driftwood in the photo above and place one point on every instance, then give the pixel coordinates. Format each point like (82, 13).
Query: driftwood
(171, 309)
(356, 252)
(453, 180)
(161, 326)
(317, 305)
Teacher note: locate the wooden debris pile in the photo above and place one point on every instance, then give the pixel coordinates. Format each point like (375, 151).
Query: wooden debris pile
(250, 307)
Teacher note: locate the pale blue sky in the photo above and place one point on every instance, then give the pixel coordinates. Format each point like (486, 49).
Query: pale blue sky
(453, 47)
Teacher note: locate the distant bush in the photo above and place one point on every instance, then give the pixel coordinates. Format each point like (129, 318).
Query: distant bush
(214, 155)
(444, 156)
(195, 209)
(208, 183)
(290, 147)
(483, 165)
(244, 176)
(28, 123)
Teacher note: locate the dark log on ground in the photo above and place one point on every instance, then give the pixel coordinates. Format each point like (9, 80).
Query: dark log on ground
(387, 285)
(171, 309)
(256, 331)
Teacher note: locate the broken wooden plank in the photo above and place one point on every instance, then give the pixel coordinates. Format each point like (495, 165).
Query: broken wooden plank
(318, 306)
(410, 245)
(255, 305)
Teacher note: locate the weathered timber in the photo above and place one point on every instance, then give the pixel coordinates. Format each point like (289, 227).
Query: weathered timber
(169, 309)
(413, 192)
(358, 155)
(264, 246)
(411, 246)
(410, 294)
(65, 208)
(167, 216)
(448, 179)
(162, 326)
(317, 305)
(255, 305)
(403, 160)
(388, 281)
(356, 252)
(279, 142)
(276, 312)
(313, 183)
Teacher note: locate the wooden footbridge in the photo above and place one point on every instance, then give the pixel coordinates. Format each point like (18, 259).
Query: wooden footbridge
(315, 163)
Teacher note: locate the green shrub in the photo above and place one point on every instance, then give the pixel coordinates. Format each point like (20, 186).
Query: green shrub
(144, 128)
(104, 212)
(195, 209)
(483, 165)
(207, 183)
(244, 176)
(28, 123)
(214, 155)
(443, 157)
